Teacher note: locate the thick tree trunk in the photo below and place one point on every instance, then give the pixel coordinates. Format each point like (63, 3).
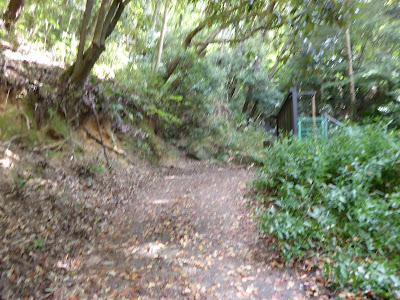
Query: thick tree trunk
(163, 30)
(351, 75)
(82, 71)
(190, 36)
(13, 12)
(107, 19)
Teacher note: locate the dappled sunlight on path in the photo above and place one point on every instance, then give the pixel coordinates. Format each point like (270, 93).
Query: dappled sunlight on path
(187, 235)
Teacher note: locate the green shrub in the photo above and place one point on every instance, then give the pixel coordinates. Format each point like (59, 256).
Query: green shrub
(338, 199)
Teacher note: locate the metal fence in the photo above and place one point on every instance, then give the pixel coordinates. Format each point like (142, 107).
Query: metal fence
(287, 120)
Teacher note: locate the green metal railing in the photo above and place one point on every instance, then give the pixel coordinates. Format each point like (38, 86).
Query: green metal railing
(306, 127)
(323, 125)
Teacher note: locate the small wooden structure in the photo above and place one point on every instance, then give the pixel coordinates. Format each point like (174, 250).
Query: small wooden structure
(287, 119)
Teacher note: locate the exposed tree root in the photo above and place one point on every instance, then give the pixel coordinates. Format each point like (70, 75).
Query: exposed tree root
(114, 149)
(57, 146)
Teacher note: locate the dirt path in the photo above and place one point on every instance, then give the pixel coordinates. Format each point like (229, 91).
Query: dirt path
(187, 235)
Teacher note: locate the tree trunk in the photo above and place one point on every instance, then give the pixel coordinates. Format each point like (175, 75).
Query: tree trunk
(107, 19)
(82, 71)
(248, 99)
(92, 26)
(190, 36)
(13, 12)
(83, 34)
(186, 43)
(155, 14)
(163, 30)
(201, 50)
(221, 53)
(351, 75)
(253, 110)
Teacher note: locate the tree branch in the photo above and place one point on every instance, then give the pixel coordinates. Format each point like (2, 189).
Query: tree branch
(240, 39)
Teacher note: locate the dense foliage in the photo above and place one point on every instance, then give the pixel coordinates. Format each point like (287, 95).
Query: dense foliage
(338, 199)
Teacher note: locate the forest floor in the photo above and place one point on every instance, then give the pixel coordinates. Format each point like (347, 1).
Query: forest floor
(182, 231)
(187, 235)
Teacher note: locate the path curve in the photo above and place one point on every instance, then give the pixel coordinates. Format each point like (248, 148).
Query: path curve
(188, 235)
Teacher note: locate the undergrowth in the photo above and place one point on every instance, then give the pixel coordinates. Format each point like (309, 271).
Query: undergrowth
(338, 199)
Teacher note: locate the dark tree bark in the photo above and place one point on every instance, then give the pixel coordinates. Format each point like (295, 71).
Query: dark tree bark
(13, 12)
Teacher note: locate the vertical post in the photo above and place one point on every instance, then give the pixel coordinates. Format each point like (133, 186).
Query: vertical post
(299, 130)
(295, 97)
(351, 75)
(314, 115)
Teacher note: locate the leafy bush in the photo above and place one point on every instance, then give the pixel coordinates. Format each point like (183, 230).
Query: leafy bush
(338, 199)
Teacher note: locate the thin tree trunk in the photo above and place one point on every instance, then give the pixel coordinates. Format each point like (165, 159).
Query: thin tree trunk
(147, 7)
(253, 110)
(92, 26)
(83, 33)
(13, 12)
(186, 43)
(248, 99)
(221, 53)
(351, 74)
(314, 115)
(101, 22)
(163, 30)
(155, 14)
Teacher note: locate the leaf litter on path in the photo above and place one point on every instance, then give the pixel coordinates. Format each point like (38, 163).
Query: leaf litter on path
(183, 232)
